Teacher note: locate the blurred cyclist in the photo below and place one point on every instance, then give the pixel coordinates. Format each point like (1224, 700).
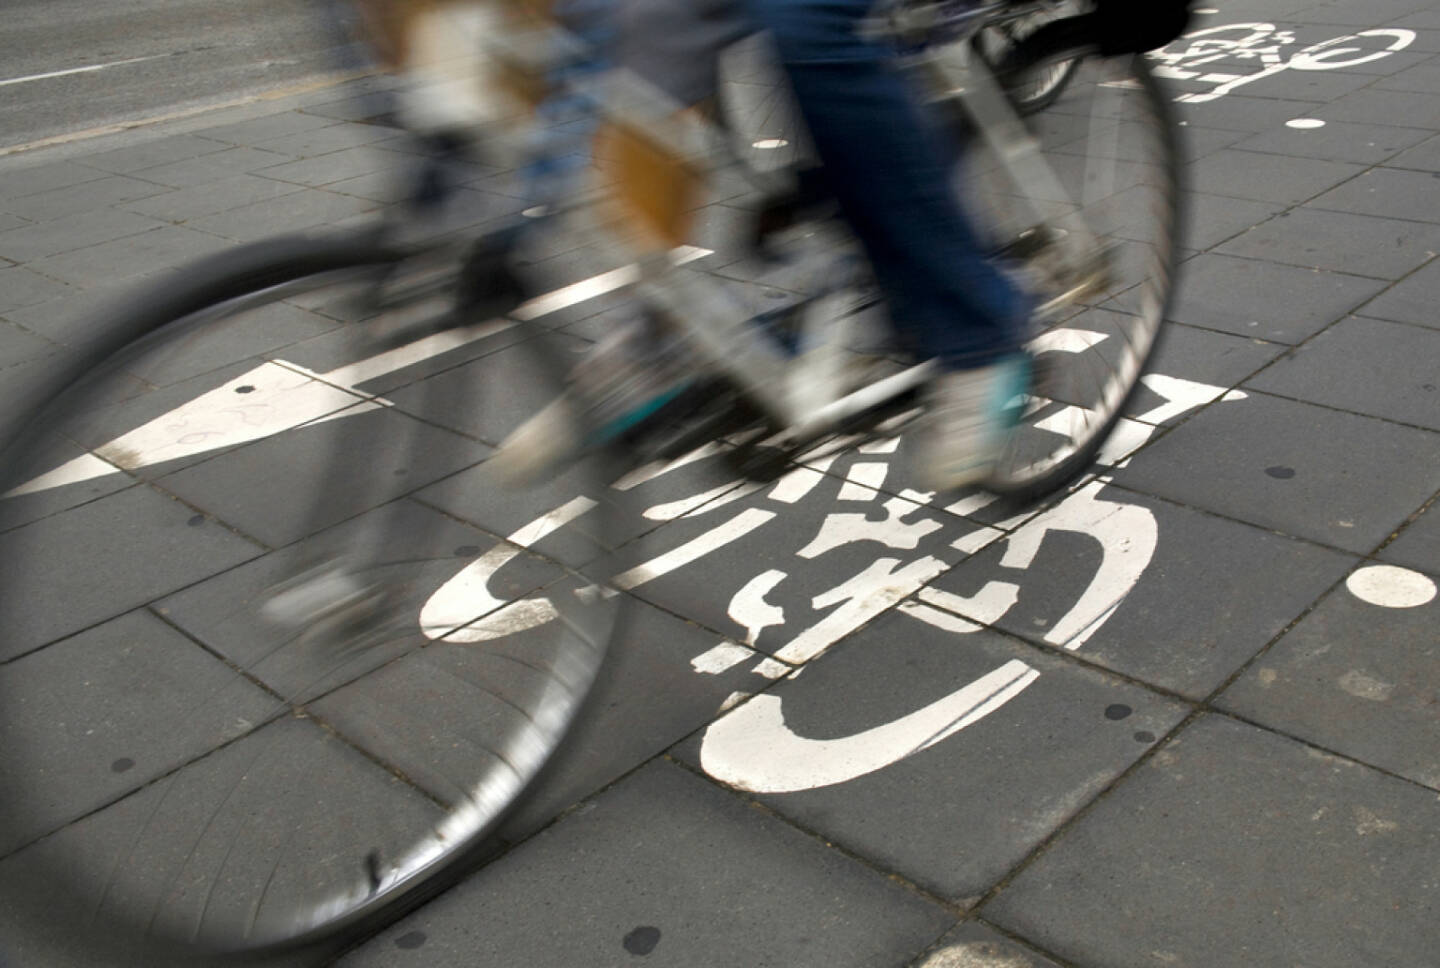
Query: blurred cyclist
(890, 165)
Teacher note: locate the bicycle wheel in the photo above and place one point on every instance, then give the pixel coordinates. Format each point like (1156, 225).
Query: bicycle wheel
(1041, 87)
(279, 653)
(758, 110)
(1110, 146)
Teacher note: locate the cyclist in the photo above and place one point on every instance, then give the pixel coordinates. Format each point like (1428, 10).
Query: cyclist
(889, 165)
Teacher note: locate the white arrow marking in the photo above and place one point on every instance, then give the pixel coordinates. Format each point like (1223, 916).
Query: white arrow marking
(282, 396)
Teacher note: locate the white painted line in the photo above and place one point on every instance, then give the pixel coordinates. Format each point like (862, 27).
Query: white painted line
(279, 396)
(1305, 124)
(87, 69)
(606, 282)
(862, 481)
(721, 658)
(712, 540)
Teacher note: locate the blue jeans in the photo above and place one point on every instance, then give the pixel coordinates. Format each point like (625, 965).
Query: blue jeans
(889, 164)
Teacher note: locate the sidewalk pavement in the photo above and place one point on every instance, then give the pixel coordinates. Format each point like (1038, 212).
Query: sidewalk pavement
(1235, 762)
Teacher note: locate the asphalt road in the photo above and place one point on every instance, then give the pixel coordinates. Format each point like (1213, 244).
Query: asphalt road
(130, 59)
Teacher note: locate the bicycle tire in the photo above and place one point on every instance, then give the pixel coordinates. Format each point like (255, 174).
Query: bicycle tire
(1112, 143)
(995, 43)
(237, 785)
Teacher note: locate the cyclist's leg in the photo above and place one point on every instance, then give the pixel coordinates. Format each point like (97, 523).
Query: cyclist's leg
(890, 167)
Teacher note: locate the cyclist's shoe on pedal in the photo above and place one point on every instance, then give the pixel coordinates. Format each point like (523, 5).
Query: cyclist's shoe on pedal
(625, 380)
(970, 418)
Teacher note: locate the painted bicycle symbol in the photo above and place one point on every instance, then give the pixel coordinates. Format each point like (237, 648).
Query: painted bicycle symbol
(888, 543)
(1234, 55)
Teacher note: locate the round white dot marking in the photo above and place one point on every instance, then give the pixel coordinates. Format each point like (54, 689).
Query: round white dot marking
(770, 144)
(1304, 124)
(1391, 587)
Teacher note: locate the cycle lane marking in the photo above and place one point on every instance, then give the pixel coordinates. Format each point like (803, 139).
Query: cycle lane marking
(1263, 46)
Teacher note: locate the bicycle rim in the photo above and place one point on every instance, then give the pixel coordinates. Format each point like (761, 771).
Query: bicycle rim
(1110, 143)
(280, 649)
(1041, 87)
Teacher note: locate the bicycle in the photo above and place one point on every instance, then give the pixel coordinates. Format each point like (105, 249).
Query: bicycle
(350, 653)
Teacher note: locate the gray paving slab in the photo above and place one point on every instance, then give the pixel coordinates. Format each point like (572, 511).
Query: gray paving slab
(144, 525)
(390, 450)
(71, 232)
(1381, 11)
(1233, 846)
(77, 199)
(148, 154)
(382, 186)
(1268, 178)
(1388, 193)
(95, 710)
(975, 945)
(22, 180)
(1411, 300)
(322, 140)
(264, 333)
(435, 715)
(212, 168)
(183, 204)
(1185, 623)
(1205, 356)
(1304, 470)
(1319, 87)
(1201, 142)
(1246, 113)
(1422, 157)
(939, 698)
(288, 806)
(337, 165)
(20, 286)
(46, 456)
(1363, 144)
(20, 346)
(1404, 109)
(663, 867)
(1364, 366)
(268, 126)
(415, 546)
(291, 212)
(1262, 300)
(141, 254)
(1213, 219)
(664, 679)
(1418, 544)
(8, 222)
(1422, 77)
(1358, 675)
(357, 107)
(1340, 242)
(493, 393)
(1420, 20)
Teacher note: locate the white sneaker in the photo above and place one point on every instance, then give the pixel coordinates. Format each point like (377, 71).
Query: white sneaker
(970, 416)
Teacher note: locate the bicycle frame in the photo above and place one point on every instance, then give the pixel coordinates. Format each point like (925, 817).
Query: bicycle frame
(803, 394)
